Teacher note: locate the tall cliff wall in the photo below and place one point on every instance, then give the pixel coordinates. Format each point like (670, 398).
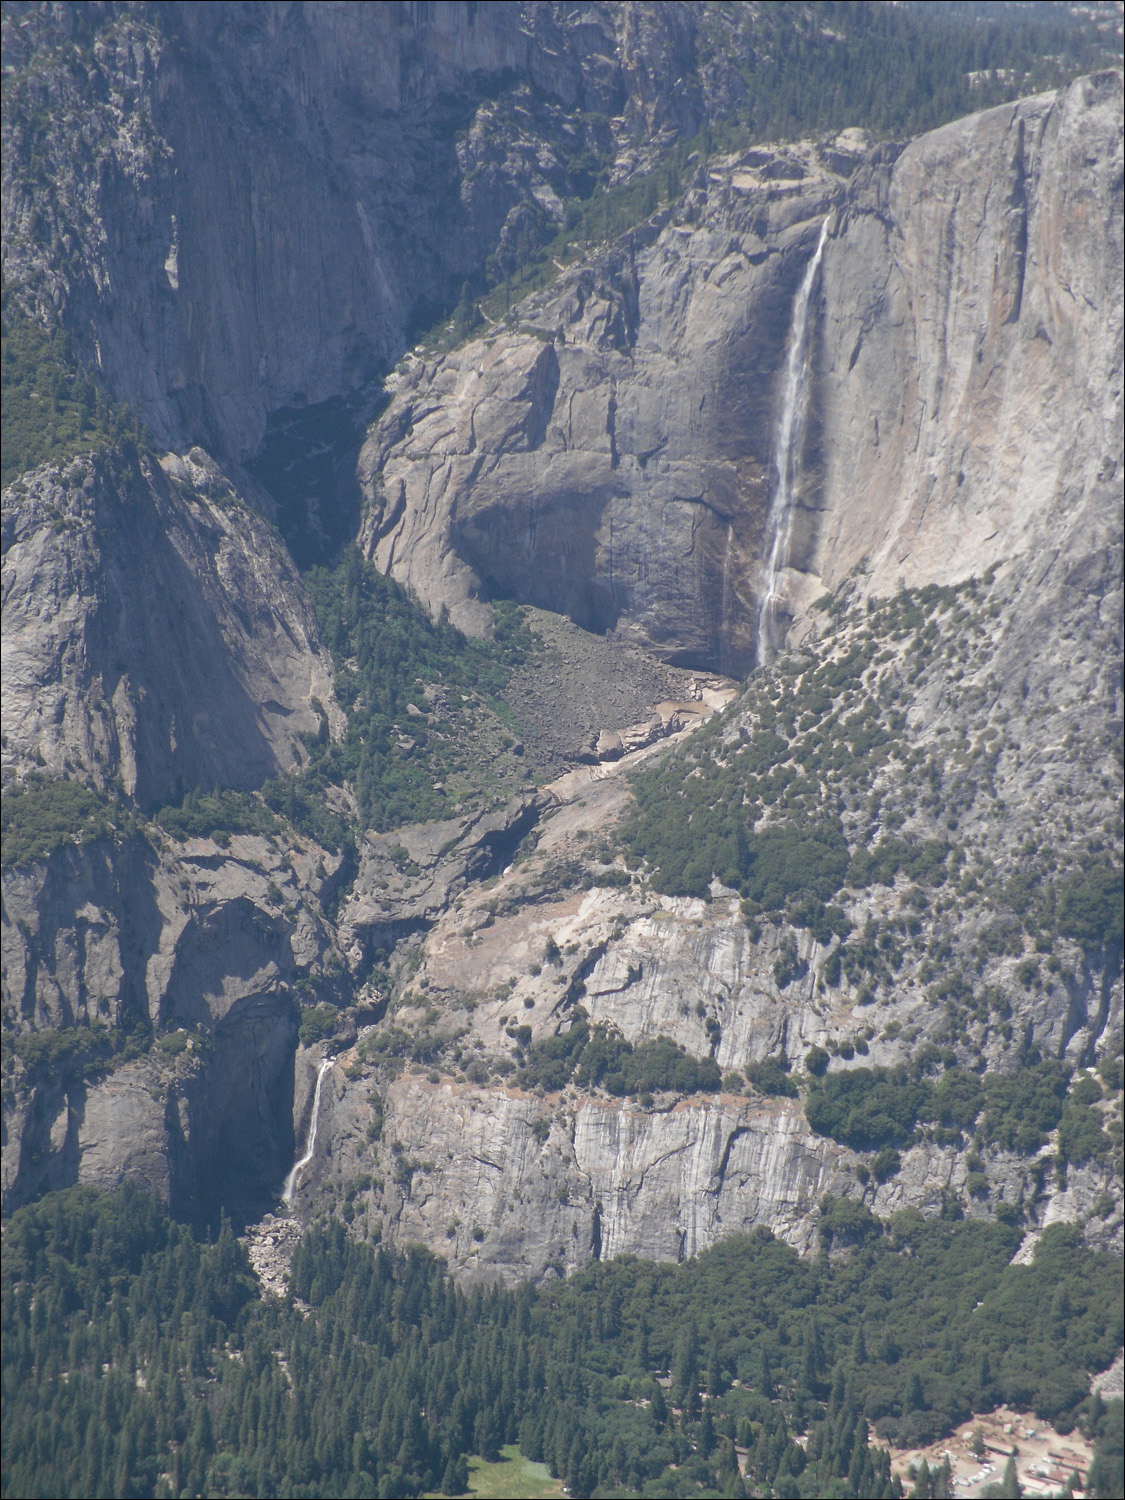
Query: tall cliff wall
(155, 630)
(206, 947)
(613, 455)
(240, 209)
(236, 211)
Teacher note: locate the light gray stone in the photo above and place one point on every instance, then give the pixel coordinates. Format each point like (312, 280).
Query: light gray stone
(611, 456)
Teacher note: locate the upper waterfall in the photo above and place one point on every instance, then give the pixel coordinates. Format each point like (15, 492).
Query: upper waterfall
(310, 1148)
(788, 448)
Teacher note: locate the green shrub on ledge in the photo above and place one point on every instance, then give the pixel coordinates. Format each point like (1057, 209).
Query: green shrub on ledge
(39, 816)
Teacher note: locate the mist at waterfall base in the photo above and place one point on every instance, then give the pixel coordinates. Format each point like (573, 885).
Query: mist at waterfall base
(788, 450)
(290, 1189)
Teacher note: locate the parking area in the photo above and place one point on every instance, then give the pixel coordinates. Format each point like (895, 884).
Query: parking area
(1045, 1460)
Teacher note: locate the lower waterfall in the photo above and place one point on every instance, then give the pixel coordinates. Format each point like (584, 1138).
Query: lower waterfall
(310, 1147)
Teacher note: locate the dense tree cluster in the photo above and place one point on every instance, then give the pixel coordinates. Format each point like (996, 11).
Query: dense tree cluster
(43, 813)
(899, 70)
(1107, 1471)
(763, 815)
(599, 1057)
(53, 409)
(139, 1361)
(876, 1109)
(218, 814)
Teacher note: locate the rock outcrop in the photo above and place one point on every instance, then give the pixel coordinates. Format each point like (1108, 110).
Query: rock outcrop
(611, 456)
(409, 878)
(607, 1179)
(155, 630)
(209, 949)
(383, 154)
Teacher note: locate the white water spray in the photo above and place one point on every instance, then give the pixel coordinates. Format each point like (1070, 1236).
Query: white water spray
(310, 1148)
(787, 450)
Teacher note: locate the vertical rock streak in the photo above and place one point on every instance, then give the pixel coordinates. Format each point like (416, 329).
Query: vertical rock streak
(310, 1149)
(787, 450)
(724, 608)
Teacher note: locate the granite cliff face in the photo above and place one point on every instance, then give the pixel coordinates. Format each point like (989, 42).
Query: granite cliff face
(612, 456)
(155, 630)
(351, 168)
(244, 272)
(206, 947)
(456, 1151)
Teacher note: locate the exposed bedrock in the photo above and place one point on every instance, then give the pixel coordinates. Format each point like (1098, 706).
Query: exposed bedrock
(209, 948)
(611, 455)
(241, 210)
(409, 878)
(426, 1134)
(154, 630)
(512, 1184)
(607, 1180)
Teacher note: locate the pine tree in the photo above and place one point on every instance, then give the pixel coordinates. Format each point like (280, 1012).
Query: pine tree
(714, 1370)
(658, 1407)
(813, 1364)
(767, 1385)
(577, 1466)
(450, 1478)
(641, 1353)
(923, 1485)
(685, 1366)
(1010, 1487)
(859, 1457)
(707, 1432)
(943, 1481)
(617, 1462)
(728, 1459)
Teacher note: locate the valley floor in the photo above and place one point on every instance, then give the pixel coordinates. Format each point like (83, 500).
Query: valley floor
(1045, 1459)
